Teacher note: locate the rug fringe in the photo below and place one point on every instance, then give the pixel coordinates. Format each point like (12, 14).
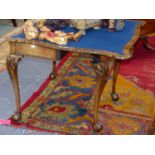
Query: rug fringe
(5, 122)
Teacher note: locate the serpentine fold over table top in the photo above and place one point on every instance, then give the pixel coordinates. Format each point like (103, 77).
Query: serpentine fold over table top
(103, 42)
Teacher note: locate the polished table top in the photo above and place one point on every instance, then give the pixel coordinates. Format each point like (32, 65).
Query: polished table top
(117, 43)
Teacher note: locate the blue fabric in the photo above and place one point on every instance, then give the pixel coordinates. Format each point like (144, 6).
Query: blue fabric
(102, 39)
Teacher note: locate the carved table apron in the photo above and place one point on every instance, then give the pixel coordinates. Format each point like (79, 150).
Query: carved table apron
(101, 43)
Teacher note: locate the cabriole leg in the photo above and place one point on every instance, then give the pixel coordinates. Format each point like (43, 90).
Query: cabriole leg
(12, 67)
(102, 73)
(114, 95)
(53, 74)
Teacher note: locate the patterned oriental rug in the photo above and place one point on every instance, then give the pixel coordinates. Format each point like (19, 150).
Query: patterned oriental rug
(141, 68)
(65, 105)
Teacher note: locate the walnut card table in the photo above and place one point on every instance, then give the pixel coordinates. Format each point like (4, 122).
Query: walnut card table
(101, 43)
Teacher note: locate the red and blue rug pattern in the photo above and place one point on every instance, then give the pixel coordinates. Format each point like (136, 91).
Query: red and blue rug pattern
(65, 105)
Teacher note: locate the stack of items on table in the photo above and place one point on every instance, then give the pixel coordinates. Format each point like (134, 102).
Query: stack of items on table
(50, 29)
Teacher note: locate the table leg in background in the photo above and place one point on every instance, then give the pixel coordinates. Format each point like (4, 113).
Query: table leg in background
(53, 73)
(114, 95)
